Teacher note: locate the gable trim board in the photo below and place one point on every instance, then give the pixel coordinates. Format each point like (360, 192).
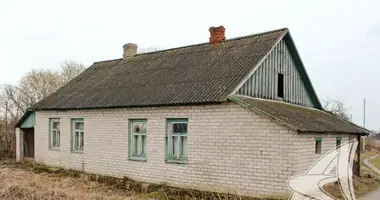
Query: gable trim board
(290, 46)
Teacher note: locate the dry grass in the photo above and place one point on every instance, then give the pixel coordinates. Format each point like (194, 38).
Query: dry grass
(33, 181)
(376, 162)
(367, 181)
(362, 185)
(367, 154)
(19, 184)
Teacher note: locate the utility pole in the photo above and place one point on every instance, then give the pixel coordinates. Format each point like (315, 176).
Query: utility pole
(364, 123)
(364, 113)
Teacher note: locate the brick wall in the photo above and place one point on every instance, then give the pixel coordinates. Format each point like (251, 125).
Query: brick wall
(231, 149)
(305, 148)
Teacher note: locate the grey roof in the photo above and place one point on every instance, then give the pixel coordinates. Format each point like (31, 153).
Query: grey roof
(202, 73)
(301, 119)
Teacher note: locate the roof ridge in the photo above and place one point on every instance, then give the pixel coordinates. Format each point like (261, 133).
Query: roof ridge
(204, 43)
(199, 44)
(110, 60)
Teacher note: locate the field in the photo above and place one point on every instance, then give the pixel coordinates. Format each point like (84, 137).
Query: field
(21, 184)
(376, 162)
(33, 181)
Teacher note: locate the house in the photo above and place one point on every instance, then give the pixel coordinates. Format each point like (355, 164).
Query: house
(231, 115)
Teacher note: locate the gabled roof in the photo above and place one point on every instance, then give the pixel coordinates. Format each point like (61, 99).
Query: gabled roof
(196, 74)
(299, 118)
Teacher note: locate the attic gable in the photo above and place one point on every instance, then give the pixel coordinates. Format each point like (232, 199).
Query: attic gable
(281, 76)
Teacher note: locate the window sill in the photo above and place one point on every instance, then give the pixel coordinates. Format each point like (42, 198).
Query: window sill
(141, 159)
(177, 161)
(77, 152)
(54, 149)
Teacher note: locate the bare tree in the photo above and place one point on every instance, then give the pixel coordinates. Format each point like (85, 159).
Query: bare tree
(68, 70)
(32, 87)
(337, 107)
(148, 50)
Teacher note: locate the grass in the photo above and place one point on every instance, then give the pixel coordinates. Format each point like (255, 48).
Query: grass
(367, 181)
(367, 154)
(37, 181)
(375, 162)
(23, 184)
(362, 185)
(33, 181)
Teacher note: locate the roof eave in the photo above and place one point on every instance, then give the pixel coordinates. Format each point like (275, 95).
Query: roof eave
(259, 111)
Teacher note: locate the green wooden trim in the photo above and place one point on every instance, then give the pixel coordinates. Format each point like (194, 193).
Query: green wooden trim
(180, 120)
(170, 157)
(28, 121)
(139, 155)
(80, 135)
(318, 139)
(51, 130)
(177, 161)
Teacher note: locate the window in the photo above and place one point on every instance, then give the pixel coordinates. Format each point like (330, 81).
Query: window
(176, 140)
(318, 145)
(77, 135)
(280, 85)
(338, 141)
(55, 134)
(137, 140)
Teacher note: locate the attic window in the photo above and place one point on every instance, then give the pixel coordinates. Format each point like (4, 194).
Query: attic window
(280, 85)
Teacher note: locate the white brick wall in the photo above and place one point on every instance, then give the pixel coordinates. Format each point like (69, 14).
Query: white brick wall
(19, 144)
(305, 146)
(231, 149)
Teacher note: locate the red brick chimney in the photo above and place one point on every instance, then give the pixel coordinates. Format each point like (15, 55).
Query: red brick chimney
(217, 34)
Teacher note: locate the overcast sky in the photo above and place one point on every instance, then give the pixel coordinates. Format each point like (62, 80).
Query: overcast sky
(338, 40)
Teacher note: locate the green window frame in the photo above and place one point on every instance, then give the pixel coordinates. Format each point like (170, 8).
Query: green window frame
(77, 136)
(177, 140)
(54, 133)
(138, 139)
(318, 145)
(338, 141)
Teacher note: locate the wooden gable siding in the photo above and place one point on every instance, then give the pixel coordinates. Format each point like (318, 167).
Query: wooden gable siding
(263, 82)
(29, 122)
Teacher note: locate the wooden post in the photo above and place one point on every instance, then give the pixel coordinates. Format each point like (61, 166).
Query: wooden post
(357, 163)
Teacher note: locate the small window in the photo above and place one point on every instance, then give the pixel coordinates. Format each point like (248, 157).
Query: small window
(318, 145)
(55, 134)
(280, 85)
(77, 137)
(338, 141)
(137, 139)
(176, 140)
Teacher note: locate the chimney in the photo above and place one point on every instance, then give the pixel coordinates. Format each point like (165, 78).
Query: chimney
(217, 34)
(130, 49)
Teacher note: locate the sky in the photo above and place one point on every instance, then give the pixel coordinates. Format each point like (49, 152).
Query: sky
(338, 40)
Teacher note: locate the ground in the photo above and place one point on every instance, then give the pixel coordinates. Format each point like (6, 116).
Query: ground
(38, 182)
(375, 162)
(21, 184)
